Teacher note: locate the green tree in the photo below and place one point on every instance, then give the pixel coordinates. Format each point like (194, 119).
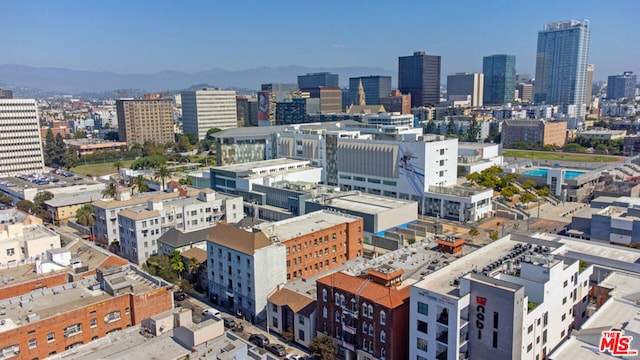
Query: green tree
(494, 235)
(118, 164)
(41, 198)
(430, 128)
(110, 190)
(69, 159)
(192, 265)
(149, 162)
(140, 183)
(25, 205)
(85, 216)
(162, 173)
(49, 148)
(150, 148)
(193, 138)
(509, 191)
(451, 127)
(5, 199)
(528, 184)
(186, 181)
(177, 264)
(527, 197)
(112, 136)
(473, 134)
(80, 134)
(473, 232)
(543, 192)
(323, 347)
(183, 144)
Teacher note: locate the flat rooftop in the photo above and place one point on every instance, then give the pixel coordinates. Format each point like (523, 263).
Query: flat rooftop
(30, 232)
(82, 197)
(294, 227)
(251, 167)
(48, 302)
(364, 203)
(442, 281)
(77, 180)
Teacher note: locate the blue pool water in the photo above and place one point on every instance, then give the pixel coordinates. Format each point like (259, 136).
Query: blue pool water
(541, 172)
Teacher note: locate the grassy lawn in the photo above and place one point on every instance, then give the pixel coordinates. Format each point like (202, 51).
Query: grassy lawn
(98, 169)
(556, 156)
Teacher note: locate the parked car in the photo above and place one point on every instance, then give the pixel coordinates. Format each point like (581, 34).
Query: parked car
(259, 340)
(179, 295)
(276, 349)
(229, 322)
(294, 357)
(211, 312)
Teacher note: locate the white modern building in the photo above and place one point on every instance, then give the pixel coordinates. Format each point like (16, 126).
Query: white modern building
(229, 178)
(23, 237)
(141, 226)
(20, 140)
(208, 108)
(244, 267)
(396, 119)
(515, 298)
(475, 157)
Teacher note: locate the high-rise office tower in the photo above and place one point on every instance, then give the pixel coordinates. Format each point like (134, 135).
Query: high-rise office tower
(324, 79)
(208, 108)
(561, 64)
(330, 98)
(499, 79)
(281, 91)
(419, 74)
(622, 86)
(464, 84)
(20, 140)
(588, 91)
(375, 87)
(145, 119)
(525, 92)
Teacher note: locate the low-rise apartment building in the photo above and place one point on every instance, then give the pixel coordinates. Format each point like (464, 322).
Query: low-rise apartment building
(23, 237)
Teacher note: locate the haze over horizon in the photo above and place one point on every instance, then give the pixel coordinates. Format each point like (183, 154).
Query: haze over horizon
(150, 37)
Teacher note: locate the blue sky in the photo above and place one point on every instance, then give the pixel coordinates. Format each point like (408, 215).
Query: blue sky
(144, 36)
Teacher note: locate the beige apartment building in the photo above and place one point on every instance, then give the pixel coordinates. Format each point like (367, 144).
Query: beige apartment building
(140, 120)
(534, 131)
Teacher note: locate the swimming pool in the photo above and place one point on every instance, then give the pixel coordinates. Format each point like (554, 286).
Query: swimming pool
(542, 172)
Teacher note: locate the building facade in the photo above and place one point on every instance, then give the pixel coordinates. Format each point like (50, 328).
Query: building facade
(561, 64)
(20, 140)
(366, 315)
(324, 79)
(499, 79)
(330, 98)
(464, 84)
(397, 102)
(208, 108)
(419, 75)
(141, 120)
(622, 86)
(534, 132)
(375, 87)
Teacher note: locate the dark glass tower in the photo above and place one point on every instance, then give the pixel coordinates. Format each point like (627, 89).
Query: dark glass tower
(375, 87)
(499, 79)
(419, 75)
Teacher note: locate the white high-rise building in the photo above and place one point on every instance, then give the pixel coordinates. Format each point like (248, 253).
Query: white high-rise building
(561, 64)
(208, 108)
(20, 140)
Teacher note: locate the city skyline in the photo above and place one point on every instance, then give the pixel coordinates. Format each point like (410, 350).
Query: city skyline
(137, 38)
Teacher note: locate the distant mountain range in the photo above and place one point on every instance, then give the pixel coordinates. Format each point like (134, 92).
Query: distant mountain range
(74, 81)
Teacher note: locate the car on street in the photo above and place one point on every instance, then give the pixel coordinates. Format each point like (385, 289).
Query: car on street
(179, 295)
(276, 349)
(229, 322)
(259, 340)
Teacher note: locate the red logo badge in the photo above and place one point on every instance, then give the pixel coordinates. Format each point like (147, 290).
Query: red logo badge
(616, 343)
(481, 300)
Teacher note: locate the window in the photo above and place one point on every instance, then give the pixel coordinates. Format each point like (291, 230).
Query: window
(274, 307)
(383, 318)
(73, 330)
(364, 327)
(112, 316)
(126, 311)
(324, 294)
(32, 343)
(564, 316)
(495, 320)
(301, 335)
(300, 320)
(564, 285)
(364, 309)
(337, 316)
(337, 299)
(383, 336)
(11, 252)
(422, 344)
(529, 347)
(324, 312)
(51, 337)
(423, 308)
(530, 329)
(544, 337)
(274, 321)
(423, 327)
(93, 323)
(370, 312)
(564, 300)
(495, 339)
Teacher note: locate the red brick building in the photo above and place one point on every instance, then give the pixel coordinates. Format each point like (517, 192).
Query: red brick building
(318, 241)
(368, 315)
(45, 314)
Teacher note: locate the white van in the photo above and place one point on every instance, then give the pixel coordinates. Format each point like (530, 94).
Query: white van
(211, 312)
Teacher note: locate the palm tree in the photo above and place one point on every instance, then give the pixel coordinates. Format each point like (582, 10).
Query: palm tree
(118, 164)
(141, 184)
(176, 263)
(162, 173)
(85, 216)
(110, 190)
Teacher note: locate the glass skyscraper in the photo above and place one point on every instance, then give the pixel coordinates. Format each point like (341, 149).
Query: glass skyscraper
(375, 87)
(499, 79)
(561, 64)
